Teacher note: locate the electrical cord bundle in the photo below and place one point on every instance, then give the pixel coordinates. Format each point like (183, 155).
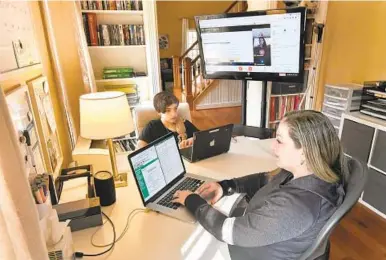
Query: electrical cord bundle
(115, 240)
(81, 254)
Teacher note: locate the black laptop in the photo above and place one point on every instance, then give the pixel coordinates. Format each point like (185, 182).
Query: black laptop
(209, 143)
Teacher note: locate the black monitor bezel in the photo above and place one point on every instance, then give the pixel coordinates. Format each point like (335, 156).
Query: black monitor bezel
(260, 76)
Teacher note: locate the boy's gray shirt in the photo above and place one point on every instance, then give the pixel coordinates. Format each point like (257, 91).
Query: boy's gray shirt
(280, 221)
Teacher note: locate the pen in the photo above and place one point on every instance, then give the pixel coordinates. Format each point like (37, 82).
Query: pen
(36, 194)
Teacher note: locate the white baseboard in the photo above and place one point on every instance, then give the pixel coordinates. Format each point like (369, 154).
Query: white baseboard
(217, 105)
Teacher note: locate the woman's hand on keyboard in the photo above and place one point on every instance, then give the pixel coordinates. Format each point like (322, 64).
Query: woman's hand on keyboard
(180, 196)
(211, 192)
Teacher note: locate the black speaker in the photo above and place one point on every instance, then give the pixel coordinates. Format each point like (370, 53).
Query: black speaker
(104, 187)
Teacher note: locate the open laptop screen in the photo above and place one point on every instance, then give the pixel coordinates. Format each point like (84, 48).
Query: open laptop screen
(156, 166)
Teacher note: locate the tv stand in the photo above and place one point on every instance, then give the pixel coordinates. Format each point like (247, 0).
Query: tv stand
(263, 106)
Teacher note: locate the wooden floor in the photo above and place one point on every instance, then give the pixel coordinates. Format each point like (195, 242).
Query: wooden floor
(360, 235)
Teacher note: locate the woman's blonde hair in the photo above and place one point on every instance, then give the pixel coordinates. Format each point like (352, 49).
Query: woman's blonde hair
(313, 131)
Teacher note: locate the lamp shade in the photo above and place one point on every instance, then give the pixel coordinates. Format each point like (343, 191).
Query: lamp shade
(105, 115)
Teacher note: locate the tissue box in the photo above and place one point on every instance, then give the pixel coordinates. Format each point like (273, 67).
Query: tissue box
(64, 250)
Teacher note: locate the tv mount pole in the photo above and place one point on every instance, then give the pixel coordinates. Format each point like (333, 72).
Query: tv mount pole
(263, 107)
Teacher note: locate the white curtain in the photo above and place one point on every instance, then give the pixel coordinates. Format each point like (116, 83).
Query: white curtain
(184, 40)
(20, 235)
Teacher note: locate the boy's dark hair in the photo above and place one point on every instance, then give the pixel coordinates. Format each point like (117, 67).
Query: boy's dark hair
(164, 99)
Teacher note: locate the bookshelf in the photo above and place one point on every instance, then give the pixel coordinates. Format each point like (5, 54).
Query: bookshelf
(286, 97)
(137, 47)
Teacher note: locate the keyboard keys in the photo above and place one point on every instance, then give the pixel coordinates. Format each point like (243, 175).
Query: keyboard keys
(188, 184)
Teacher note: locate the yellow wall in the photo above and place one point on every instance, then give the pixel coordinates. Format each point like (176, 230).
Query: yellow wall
(354, 44)
(170, 14)
(63, 22)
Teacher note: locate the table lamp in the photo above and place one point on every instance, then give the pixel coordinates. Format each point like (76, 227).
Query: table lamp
(106, 115)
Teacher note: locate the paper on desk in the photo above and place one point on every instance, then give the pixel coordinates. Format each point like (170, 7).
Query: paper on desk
(52, 229)
(49, 113)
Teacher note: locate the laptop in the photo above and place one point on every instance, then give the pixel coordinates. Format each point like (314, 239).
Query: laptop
(209, 143)
(159, 172)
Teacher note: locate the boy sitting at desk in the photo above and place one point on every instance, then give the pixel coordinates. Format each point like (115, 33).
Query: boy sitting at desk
(166, 104)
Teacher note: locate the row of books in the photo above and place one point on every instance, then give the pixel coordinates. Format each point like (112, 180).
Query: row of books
(112, 5)
(281, 105)
(111, 34)
(124, 145)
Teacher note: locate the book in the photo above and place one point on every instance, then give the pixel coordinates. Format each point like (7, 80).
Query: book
(92, 27)
(127, 90)
(272, 110)
(117, 70)
(117, 75)
(86, 30)
(105, 36)
(121, 36)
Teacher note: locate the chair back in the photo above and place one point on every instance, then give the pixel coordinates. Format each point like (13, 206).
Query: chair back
(353, 188)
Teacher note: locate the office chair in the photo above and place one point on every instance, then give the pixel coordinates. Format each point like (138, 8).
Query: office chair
(252, 131)
(320, 249)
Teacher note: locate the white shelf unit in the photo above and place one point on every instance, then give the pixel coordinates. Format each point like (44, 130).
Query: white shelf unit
(364, 138)
(117, 57)
(142, 58)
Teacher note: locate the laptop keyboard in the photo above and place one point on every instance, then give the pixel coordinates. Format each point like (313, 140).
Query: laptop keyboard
(188, 184)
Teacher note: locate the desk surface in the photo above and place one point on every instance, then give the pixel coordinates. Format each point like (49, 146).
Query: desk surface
(155, 236)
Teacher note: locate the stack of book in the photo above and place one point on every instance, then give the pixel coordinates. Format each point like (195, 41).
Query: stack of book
(111, 34)
(131, 91)
(112, 5)
(118, 72)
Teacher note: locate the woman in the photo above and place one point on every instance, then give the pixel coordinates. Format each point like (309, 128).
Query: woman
(262, 53)
(166, 104)
(283, 212)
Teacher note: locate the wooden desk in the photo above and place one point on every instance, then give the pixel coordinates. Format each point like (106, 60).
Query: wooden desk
(155, 236)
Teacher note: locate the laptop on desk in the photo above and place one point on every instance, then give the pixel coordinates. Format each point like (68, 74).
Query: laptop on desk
(159, 172)
(209, 143)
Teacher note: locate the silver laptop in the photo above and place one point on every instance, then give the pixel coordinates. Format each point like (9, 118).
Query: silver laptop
(159, 172)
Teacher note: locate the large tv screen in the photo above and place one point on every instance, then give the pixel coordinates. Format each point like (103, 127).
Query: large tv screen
(262, 45)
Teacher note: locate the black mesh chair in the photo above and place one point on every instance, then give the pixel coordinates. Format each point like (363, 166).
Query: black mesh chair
(252, 131)
(320, 249)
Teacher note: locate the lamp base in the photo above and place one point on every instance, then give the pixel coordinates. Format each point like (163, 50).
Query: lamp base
(120, 180)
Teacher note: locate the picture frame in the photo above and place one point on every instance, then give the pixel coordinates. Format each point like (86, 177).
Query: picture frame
(45, 120)
(20, 108)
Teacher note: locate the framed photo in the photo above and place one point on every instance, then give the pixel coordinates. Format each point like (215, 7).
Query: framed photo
(19, 105)
(45, 121)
